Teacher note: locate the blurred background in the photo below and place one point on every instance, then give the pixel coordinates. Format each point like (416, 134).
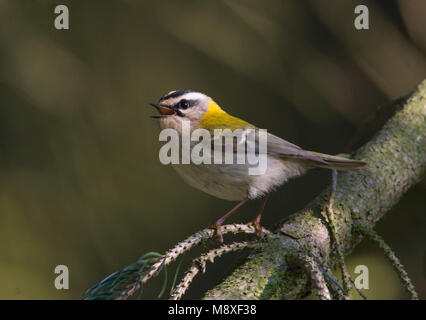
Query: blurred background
(80, 180)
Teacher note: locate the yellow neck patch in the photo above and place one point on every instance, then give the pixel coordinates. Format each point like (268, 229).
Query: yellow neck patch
(216, 118)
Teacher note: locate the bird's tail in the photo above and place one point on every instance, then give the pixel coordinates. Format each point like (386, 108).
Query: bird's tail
(336, 162)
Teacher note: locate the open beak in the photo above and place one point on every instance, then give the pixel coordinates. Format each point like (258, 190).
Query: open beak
(163, 110)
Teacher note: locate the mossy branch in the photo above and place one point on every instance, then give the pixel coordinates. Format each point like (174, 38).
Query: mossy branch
(396, 159)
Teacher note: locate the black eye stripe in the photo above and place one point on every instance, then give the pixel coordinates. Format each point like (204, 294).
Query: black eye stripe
(185, 104)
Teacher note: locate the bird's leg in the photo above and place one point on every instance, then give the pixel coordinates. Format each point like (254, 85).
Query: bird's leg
(219, 222)
(256, 220)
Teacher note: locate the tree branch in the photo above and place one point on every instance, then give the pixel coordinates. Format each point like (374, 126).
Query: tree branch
(396, 159)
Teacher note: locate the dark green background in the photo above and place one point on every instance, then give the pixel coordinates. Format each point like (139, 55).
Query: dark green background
(80, 179)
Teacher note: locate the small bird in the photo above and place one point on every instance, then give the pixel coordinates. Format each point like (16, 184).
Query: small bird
(232, 181)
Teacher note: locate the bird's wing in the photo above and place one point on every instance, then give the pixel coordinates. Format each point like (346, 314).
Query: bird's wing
(275, 146)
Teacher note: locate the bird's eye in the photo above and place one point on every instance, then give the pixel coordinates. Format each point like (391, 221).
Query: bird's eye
(184, 104)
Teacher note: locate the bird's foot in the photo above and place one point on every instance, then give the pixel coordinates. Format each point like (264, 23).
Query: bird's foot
(216, 226)
(258, 227)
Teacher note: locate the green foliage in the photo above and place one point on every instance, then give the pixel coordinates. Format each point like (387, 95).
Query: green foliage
(127, 281)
